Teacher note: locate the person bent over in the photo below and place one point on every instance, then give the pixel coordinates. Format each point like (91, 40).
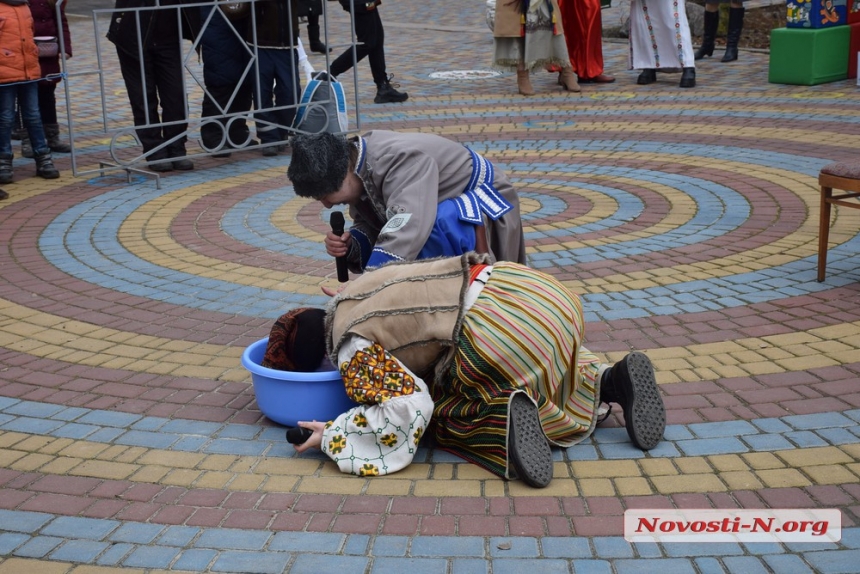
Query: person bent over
(488, 358)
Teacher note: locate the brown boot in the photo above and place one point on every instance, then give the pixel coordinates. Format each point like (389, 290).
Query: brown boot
(524, 84)
(567, 79)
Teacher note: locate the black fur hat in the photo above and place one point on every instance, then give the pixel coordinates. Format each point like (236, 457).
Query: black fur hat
(319, 164)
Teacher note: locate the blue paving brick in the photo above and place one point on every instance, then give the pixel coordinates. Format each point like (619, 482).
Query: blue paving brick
(445, 457)
(318, 563)
(356, 544)
(787, 563)
(758, 548)
(702, 549)
(32, 426)
(105, 435)
(566, 547)
(677, 432)
(772, 425)
(190, 443)
(654, 566)
(9, 541)
(711, 446)
(115, 554)
(246, 432)
(709, 565)
(664, 449)
(233, 539)
(514, 547)
(648, 550)
(34, 410)
(834, 561)
(18, 521)
(237, 447)
(722, 429)
(87, 528)
(518, 566)
(136, 532)
(851, 537)
(448, 546)
(620, 451)
(178, 535)
(109, 419)
(6, 402)
(470, 566)
(84, 551)
(582, 452)
(74, 430)
(308, 542)
(764, 442)
(146, 439)
(837, 435)
(38, 546)
(151, 557)
(70, 413)
(195, 560)
(805, 439)
(612, 547)
(610, 435)
(5, 419)
(592, 567)
(385, 565)
(745, 565)
(818, 421)
(852, 414)
(391, 546)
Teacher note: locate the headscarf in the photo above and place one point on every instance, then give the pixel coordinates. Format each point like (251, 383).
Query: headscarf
(297, 341)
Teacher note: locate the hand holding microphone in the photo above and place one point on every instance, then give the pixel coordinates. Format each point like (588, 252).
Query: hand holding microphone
(339, 247)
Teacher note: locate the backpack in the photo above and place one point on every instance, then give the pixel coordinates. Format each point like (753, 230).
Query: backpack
(322, 107)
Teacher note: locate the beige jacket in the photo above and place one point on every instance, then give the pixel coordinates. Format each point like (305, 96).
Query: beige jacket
(507, 23)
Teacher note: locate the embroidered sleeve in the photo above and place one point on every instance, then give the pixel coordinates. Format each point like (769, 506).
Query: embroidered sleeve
(374, 376)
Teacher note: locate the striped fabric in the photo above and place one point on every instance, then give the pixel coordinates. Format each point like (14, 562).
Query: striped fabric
(523, 333)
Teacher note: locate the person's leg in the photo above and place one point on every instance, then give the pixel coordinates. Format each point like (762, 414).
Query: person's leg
(386, 92)
(266, 119)
(28, 98)
(8, 95)
(709, 35)
(315, 44)
(287, 91)
(344, 62)
(48, 108)
(733, 35)
(168, 76)
(143, 98)
(632, 384)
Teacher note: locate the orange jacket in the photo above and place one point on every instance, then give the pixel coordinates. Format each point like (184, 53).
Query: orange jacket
(19, 56)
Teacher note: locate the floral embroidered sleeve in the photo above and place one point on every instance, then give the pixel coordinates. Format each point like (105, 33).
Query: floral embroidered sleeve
(381, 434)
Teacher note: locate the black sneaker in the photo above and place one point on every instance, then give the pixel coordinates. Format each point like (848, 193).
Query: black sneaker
(386, 94)
(528, 448)
(182, 164)
(636, 389)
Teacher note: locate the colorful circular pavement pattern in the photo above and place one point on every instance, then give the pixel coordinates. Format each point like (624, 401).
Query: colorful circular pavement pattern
(686, 219)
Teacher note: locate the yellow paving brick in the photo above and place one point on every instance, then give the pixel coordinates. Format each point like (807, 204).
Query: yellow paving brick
(181, 477)
(806, 363)
(854, 467)
(22, 566)
(440, 488)
(108, 570)
(740, 480)
(244, 464)
(442, 471)
(473, 472)
(85, 450)
(217, 462)
(171, 458)
(388, 487)
(287, 466)
(32, 461)
(556, 488)
(34, 443)
(782, 478)
(8, 439)
(112, 452)
(278, 484)
(246, 482)
(131, 454)
(762, 460)
(56, 445)
(831, 474)
(604, 468)
(61, 465)
(7, 457)
(813, 456)
(105, 469)
(728, 462)
(495, 488)
(693, 465)
(214, 479)
(633, 486)
(596, 487)
(345, 484)
(657, 466)
(688, 483)
(150, 473)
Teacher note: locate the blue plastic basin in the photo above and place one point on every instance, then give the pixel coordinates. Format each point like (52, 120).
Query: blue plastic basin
(287, 397)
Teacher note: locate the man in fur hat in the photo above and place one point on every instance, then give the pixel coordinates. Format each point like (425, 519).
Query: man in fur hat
(490, 353)
(411, 196)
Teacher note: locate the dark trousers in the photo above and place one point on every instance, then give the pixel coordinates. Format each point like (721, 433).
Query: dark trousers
(279, 86)
(161, 82)
(371, 38)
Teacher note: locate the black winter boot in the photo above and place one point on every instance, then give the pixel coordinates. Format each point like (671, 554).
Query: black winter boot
(316, 44)
(6, 169)
(648, 76)
(631, 383)
(3, 195)
(52, 134)
(26, 146)
(733, 36)
(386, 94)
(712, 22)
(45, 167)
(688, 78)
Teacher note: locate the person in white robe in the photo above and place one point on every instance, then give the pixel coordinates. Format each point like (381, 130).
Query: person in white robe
(660, 40)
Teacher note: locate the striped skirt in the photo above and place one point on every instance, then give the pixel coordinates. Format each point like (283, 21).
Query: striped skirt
(523, 334)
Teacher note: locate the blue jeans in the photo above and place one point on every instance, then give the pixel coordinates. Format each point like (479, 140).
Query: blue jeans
(279, 84)
(27, 95)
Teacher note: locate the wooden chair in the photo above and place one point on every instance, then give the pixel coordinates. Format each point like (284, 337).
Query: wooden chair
(842, 176)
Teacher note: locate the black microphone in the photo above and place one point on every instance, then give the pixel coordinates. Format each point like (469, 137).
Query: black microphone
(337, 223)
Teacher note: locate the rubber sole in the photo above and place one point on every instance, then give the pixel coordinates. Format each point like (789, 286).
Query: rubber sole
(644, 414)
(528, 448)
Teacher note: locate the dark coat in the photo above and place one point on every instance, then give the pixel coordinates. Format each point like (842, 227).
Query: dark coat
(274, 25)
(156, 26)
(45, 24)
(225, 55)
(310, 7)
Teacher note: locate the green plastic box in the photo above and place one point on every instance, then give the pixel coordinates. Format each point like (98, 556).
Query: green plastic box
(809, 57)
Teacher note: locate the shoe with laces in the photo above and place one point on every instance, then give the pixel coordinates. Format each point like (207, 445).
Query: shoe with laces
(387, 94)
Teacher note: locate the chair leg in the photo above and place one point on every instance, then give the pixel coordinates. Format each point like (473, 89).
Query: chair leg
(823, 230)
